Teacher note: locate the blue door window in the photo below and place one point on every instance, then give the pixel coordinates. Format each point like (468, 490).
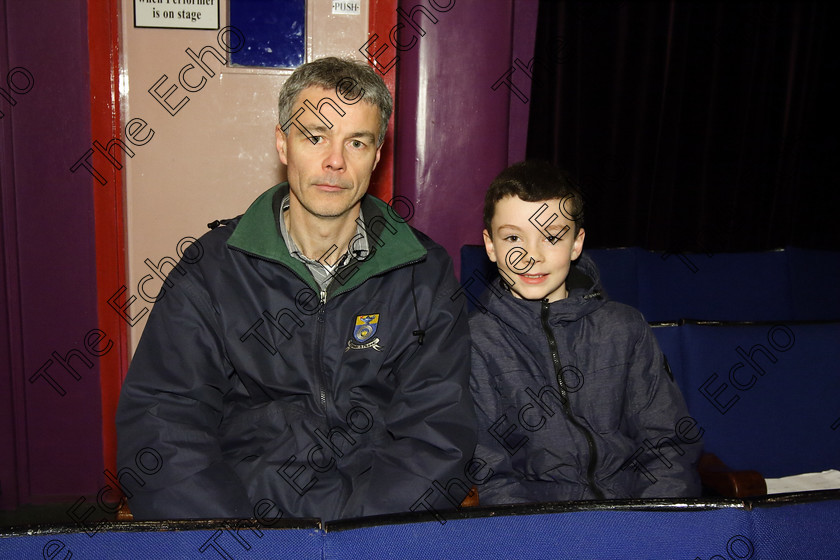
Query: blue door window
(275, 32)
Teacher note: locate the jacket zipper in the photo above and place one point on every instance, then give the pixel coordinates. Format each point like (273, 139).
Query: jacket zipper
(319, 340)
(564, 398)
(321, 321)
(319, 336)
(274, 261)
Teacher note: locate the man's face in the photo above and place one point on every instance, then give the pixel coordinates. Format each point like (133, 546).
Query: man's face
(328, 177)
(525, 255)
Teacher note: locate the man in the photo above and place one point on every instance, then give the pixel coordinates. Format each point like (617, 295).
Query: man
(312, 363)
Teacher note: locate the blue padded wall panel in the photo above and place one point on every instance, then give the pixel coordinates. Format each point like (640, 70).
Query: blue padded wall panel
(815, 284)
(619, 275)
(778, 423)
(723, 287)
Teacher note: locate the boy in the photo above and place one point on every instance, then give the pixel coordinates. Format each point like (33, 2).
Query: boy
(574, 398)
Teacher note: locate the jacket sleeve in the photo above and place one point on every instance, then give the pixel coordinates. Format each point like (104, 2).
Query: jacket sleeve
(431, 418)
(499, 441)
(171, 406)
(667, 453)
(504, 486)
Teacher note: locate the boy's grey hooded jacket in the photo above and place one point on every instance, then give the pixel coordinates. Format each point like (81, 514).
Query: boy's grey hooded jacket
(612, 424)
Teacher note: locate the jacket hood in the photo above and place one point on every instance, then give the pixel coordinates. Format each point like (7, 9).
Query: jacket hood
(585, 296)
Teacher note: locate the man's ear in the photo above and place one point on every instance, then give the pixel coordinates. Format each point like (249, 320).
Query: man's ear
(378, 154)
(488, 245)
(577, 247)
(282, 141)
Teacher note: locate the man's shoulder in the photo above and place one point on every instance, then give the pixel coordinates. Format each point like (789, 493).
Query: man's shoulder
(375, 210)
(205, 256)
(433, 248)
(214, 241)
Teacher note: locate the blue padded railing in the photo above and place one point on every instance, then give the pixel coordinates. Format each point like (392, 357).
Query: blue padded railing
(776, 528)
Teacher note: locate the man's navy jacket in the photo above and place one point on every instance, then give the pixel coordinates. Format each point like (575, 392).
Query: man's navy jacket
(254, 393)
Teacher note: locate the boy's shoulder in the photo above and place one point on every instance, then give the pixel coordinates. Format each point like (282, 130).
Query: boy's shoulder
(494, 322)
(483, 324)
(622, 312)
(619, 319)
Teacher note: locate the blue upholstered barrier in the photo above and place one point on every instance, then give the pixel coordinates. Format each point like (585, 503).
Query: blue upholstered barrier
(619, 273)
(766, 394)
(797, 530)
(815, 278)
(724, 287)
(776, 528)
(583, 534)
(164, 541)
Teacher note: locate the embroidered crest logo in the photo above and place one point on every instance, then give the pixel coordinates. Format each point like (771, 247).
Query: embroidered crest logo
(363, 332)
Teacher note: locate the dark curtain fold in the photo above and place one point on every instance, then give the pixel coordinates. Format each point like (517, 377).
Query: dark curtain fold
(693, 126)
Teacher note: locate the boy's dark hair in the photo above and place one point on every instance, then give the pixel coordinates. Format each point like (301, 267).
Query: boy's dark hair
(534, 181)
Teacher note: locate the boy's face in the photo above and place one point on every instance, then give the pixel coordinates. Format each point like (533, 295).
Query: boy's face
(538, 265)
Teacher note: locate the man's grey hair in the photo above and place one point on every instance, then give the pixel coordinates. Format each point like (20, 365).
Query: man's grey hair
(328, 73)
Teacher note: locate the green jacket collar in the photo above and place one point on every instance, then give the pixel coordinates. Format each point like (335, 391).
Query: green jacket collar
(392, 242)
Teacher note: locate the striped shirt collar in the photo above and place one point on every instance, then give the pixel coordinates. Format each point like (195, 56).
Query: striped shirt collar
(322, 272)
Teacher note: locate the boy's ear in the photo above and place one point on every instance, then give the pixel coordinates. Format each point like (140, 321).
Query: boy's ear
(577, 247)
(488, 245)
